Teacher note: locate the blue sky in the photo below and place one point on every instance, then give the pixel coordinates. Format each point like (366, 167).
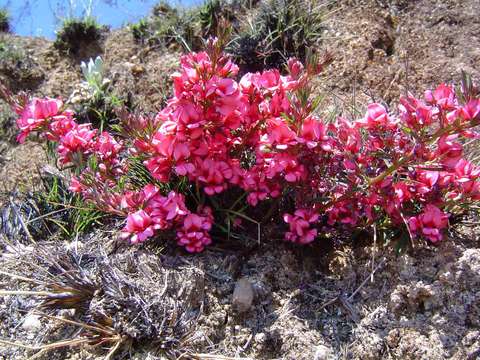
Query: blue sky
(41, 17)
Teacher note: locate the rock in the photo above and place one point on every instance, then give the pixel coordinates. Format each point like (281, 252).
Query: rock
(243, 295)
(323, 352)
(137, 69)
(260, 338)
(31, 323)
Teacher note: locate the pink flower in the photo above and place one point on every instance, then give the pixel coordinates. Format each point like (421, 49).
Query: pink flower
(35, 115)
(345, 212)
(295, 67)
(443, 96)
(159, 167)
(60, 125)
(106, 147)
(75, 185)
(300, 226)
(270, 80)
(139, 227)
(376, 117)
(449, 151)
(286, 165)
(193, 234)
(213, 175)
(471, 111)
(415, 113)
(314, 132)
(348, 134)
(429, 223)
(402, 192)
(166, 210)
(261, 136)
(426, 180)
(279, 134)
(139, 199)
(77, 141)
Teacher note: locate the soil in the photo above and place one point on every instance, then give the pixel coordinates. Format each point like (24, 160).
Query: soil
(356, 301)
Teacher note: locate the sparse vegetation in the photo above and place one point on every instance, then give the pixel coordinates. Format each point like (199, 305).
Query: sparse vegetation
(140, 30)
(4, 20)
(19, 69)
(188, 28)
(210, 15)
(169, 25)
(280, 29)
(7, 124)
(50, 212)
(10, 52)
(76, 33)
(93, 99)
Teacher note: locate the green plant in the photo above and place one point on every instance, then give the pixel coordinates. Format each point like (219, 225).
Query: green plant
(76, 32)
(4, 20)
(7, 124)
(93, 71)
(280, 29)
(209, 15)
(94, 100)
(169, 25)
(66, 211)
(11, 52)
(140, 30)
(20, 70)
(226, 151)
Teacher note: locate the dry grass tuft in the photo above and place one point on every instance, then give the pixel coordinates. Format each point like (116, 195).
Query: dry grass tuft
(112, 302)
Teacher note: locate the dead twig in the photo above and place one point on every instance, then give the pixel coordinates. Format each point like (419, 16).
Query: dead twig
(366, 279)
(72, 322)
(22, 222)
(23, 278)
(346, 301)
(215, 357)
(114, 349)
(25, 292)
(51, 346)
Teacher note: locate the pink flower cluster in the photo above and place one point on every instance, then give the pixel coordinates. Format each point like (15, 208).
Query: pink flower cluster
(300, 222)
(159, 212)
(34, 116)
(261, 134)
(46, 116)
(194, 233)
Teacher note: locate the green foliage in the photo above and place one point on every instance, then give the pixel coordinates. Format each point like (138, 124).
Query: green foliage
(20, 70)
(4, 20)
(64, 210)
(93, 73)
(169, 25)
(94, 101)
(7, 124)
(10, 52)
(77, 32)
(209, 15)
(279, 30)
(48, 212)
(99, 111)
(140, 30)
(188, 28)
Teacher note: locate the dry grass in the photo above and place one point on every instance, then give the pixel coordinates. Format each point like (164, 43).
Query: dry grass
(117, 301)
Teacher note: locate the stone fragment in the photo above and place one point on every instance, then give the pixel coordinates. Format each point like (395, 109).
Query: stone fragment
(243, 295)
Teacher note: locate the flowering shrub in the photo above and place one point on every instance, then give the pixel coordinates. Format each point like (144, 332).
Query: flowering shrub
(260, 134)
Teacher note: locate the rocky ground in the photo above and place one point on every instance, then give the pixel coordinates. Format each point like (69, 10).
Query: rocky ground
(243, 299)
